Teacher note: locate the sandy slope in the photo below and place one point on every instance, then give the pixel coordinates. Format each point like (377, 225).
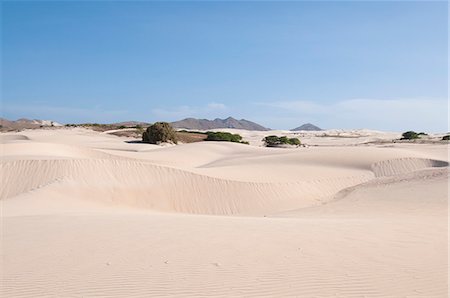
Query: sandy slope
(86, 214)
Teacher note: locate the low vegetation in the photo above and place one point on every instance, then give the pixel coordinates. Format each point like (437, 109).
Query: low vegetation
(224, 137)
(446, 138)
(103, 127)
(192, 132)
(160, 132)
(190, 136)
(94, 126)
(410, 135)
(274, 141)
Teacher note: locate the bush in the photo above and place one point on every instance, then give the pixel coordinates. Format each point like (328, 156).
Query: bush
(294, 141)
(410, 135)
(446, 138)
(160, 132)
(272, 141)
(223, 137)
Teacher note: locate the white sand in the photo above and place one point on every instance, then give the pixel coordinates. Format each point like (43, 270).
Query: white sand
(85, 214)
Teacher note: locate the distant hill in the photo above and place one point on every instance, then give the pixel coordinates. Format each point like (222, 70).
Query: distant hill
(205, 124)
(24, 123)
(308, 127)
(131, 123)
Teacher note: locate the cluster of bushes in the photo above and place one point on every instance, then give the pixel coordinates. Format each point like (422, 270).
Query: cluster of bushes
(412, 135)
(224, 137)
(160, 132)
(273, 141)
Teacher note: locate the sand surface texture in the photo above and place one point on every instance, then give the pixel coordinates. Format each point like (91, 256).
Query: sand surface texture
(87, 214)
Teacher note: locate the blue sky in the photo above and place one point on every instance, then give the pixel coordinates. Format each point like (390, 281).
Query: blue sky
(379, 65)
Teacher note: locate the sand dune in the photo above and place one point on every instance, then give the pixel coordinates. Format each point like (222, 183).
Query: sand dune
(165, 189)
(13, 137)
(405, 165)
(86, 214)
(19, 151)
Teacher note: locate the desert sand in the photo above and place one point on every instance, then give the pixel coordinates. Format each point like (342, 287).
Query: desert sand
(88, 214)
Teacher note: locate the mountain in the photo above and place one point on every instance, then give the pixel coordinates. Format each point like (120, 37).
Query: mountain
(24, 123)
(205, 124)
(308, 127)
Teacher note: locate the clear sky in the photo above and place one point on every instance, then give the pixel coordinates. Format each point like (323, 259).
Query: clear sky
(378, 65)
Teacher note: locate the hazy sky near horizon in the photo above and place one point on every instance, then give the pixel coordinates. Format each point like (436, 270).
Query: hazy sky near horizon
(378, 65)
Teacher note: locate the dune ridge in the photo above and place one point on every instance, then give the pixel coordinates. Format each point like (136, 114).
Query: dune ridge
(141, 183)
(405, 165)
(134, 183)
(166, 189)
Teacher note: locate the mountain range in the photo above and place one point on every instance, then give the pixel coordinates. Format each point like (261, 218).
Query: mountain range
(205, 124)
(188, 123)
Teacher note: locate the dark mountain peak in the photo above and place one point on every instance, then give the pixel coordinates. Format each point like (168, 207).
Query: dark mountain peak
(307, 127)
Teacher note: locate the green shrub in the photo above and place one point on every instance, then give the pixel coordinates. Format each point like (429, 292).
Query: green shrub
(294, 141)
(272, 141)
(159, 132)
(122, 127)
(410, 135)
(283, 140)
(223, 137)
(446, 138)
